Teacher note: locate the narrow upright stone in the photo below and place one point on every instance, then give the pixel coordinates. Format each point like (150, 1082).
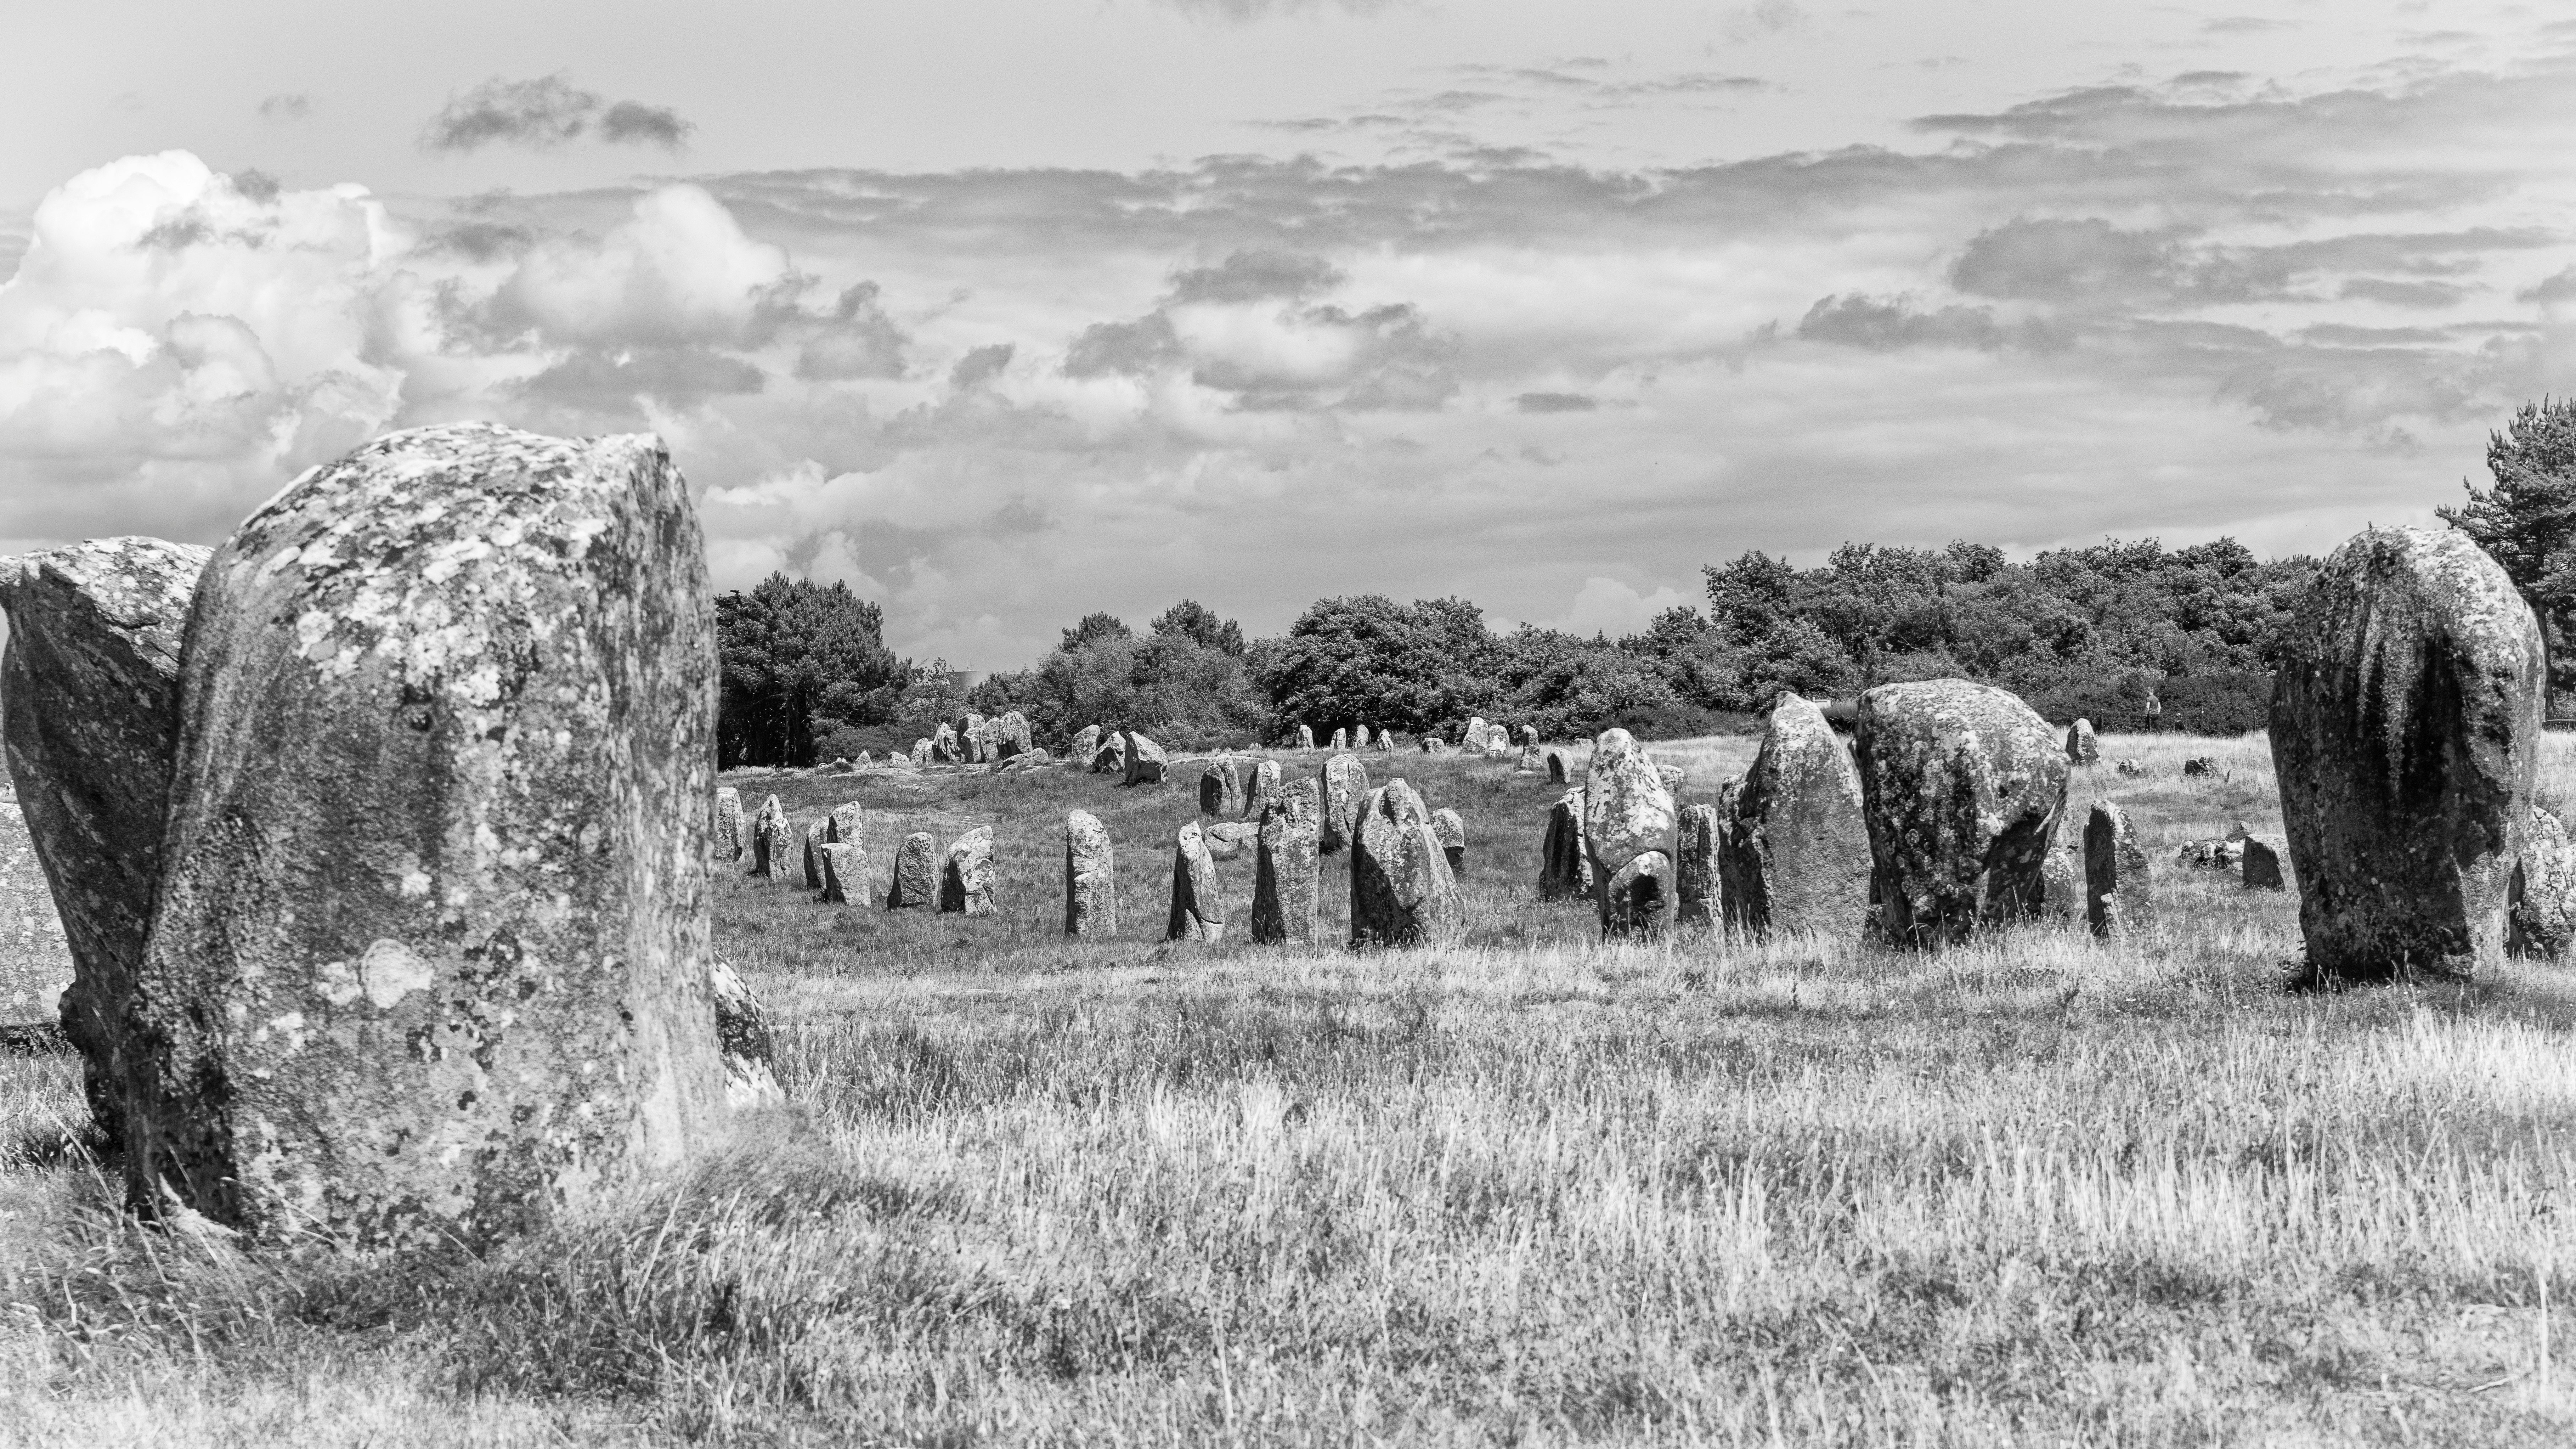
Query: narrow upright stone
(921, 753)
(944, 746)
(1565, 867)
(1628, 814)
(743, 1042)
(1221, 789)
(1284, 894)
(1452, 832)
(1474, 737)
(2081, 747)
(2119, 889)
(1961, 786)
(2406, 736)
(2262, 865)
(769, 838)
(818, 833)
(1260, 788)
(2542, 922)
(89, 709)
(1794, 856)
(730, 835)
(1090, 877)
(1305, 737)
(1696, 892)
(452, 699)
(1198, 910)
(1556, 767)
(1402, 892)
(1344, 788)
(841, 826)
(1360, 737)
(842, 864)
(966, 881)
(1341, 739)
(916, 873)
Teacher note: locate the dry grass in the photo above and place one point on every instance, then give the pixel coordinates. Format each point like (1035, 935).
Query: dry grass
(2035, 1191)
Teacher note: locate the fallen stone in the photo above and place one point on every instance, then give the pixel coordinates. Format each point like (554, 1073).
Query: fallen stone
(1794, 851)
(1344, 790)
(1961, 787)
(1284, 892)
(1198, 910)
(1452, 832)
(916, 873)
(1090, 877)
(2199, 767)
(2405, 735)
(476, 765)
(966, 881)
(2119, 889)
(1402, 891)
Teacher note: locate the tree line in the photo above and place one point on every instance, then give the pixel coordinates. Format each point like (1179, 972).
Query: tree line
(2129, 634)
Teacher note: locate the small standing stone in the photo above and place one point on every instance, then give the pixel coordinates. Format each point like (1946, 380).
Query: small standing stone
(2119, 892)
(1402, 891)
(769, 839)
(729, 832)
(1198, 910)
(921, 753)
(1305, 737)
(1143, 762)
(817, 835)
(1360, 738)
(943, 745)
(842, 825)
(1341, 739)
(841, 865)
(1090, 877)
(2081, 748)
(1221, 789)
(1556, 767)
(1565, 867)
(2262, 865)
(916, 873)
(742, 1039)
(1086, 743)
(1284, 895)
(966, 883)
(2542, 922)
(1345, 787)
(1453, 836)
(1695, 883)
(1261, 786)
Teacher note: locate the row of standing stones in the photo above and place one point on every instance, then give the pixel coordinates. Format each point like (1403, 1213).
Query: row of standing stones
(378, 837)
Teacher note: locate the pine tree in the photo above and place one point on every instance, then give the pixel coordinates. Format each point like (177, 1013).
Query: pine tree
(2527, 522)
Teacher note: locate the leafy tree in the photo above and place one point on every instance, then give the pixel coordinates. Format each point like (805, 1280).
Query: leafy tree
(1190, 619)
(794, 655)
(2527, 520)
(1367, 659)
(1095, 627)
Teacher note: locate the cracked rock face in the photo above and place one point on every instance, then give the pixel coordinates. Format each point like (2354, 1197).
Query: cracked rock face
(430, 957)
(2406, 737)
(1961, 786)
(1285, 899)
(35, 960)
(89, 709)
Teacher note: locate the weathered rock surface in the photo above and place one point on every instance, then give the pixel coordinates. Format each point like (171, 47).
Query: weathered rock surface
(2204, 766)
(2263, 866)
(1360, 738)
(945, 746)
(89, 710)
(1627, 807)
(1090, 877)
(769, 838)
(1637, 898)
(1305, 737)
(1260, 787)
(1402, 891)
(1285, 900)
(841, 825)
(1221, 789)
(1452, 832)
(844, 864)
(1085, 746)
(2119, 888)
(431, 951)
(1795, 851)
(742, 1039)
(2081, 747)
(1225, 839)
(1141, 761)
(1111, 756)
(1344, 788)
(2542, 922)
(1696, 889)
(916, 873)
(1011, 735)
(818, 833)
(921, 753)
(1961, 787)
(1341, 739)
(2061, 883)
(2130, 769)
(732, 838)
(1556, 767)
(2406, 735)
(1198, 910)
(1476, 735)
(1565, 867)
(966, 880)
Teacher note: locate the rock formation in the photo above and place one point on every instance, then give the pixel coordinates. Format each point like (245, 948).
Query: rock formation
(2263, 866)
(2405, 735)
(1141, 761)
(1198, 910)
(1344, 788)
(944, 746)
(1628, 814)
(89, 710)
(2119, 889)
(1402, 892)
(2542, 921)
(1086, 745)
(1090, 877)
(430, 957)
(1284, 894)
(966, 880)
(1011, 735)
(1111, 756)
(1794, 851)
(1961, 787)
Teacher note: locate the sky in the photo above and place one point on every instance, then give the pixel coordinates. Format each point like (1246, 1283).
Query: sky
(1004, 311)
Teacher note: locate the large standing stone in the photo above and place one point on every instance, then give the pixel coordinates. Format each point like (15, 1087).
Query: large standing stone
(743, 1045)
(1474, 737)
(731, 837)
(966, 881)
(1284, 894)
(944, 746)
(1344, 787)
(1565, 868)
(1143, 761)
(1961, 787)
(1627, 814)
(2081, 747)
(1221, 789)
(1452, 832)
(2405, 735)
(2119, 888)
(1090, 877)
(36, 961)
(916, 873)
(1261, 786)
(89, 708)
(1012, 735)
(1086, 744)
(1796, 857)
(1402, 891)
(1198, 909)
(2543, 919)
(1696, 891)
(844, 863)
(431, 952)
(769, 838)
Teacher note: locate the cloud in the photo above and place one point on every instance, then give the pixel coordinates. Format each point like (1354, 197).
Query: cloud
(1878, 325)
(2244, 25)
(1254, 276)
(1554, 402)
(291, 106)
(1607, 606)
(857, 340)
(979, 367)
(678, 270)
(547, 112)
(1242, 12)
(1770, 17)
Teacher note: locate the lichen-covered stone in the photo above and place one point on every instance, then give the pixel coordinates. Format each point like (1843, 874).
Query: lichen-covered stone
(769, 839)
(818, 833)
(1198, 910)
(1696, 889)
(1796, 857)
(1221, 788)
(2542, 922)
(1285, 899)
(916, 873)
(1360, 737)
(1111, 756)
(1090, 877)
(1341, 739)
(1961, 787)
(1086, 744)
(1565, 867)
(1343, 788)
(1141, 761)
(1011, 735)
(966, 881)
(1476, 735)
(921, 753)
(732, 837)
(2081, 747)
(841, 825)
(2061, 883)
(1225, 839)
(1452, 832)
(742, 1039)
(1385, 741)
(1637, 898)
(2119, 888)
(844, 865)
(2406, 736)
(945, 747)
(1260, 787)
(1627, 807)
(431, 950)
(1402, 890)
(89, 709)
(1305, 737)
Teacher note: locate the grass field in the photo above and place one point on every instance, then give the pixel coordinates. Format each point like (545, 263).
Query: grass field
(2039, 1190)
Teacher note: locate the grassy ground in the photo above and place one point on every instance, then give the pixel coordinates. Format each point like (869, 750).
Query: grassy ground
(2035, 1191)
